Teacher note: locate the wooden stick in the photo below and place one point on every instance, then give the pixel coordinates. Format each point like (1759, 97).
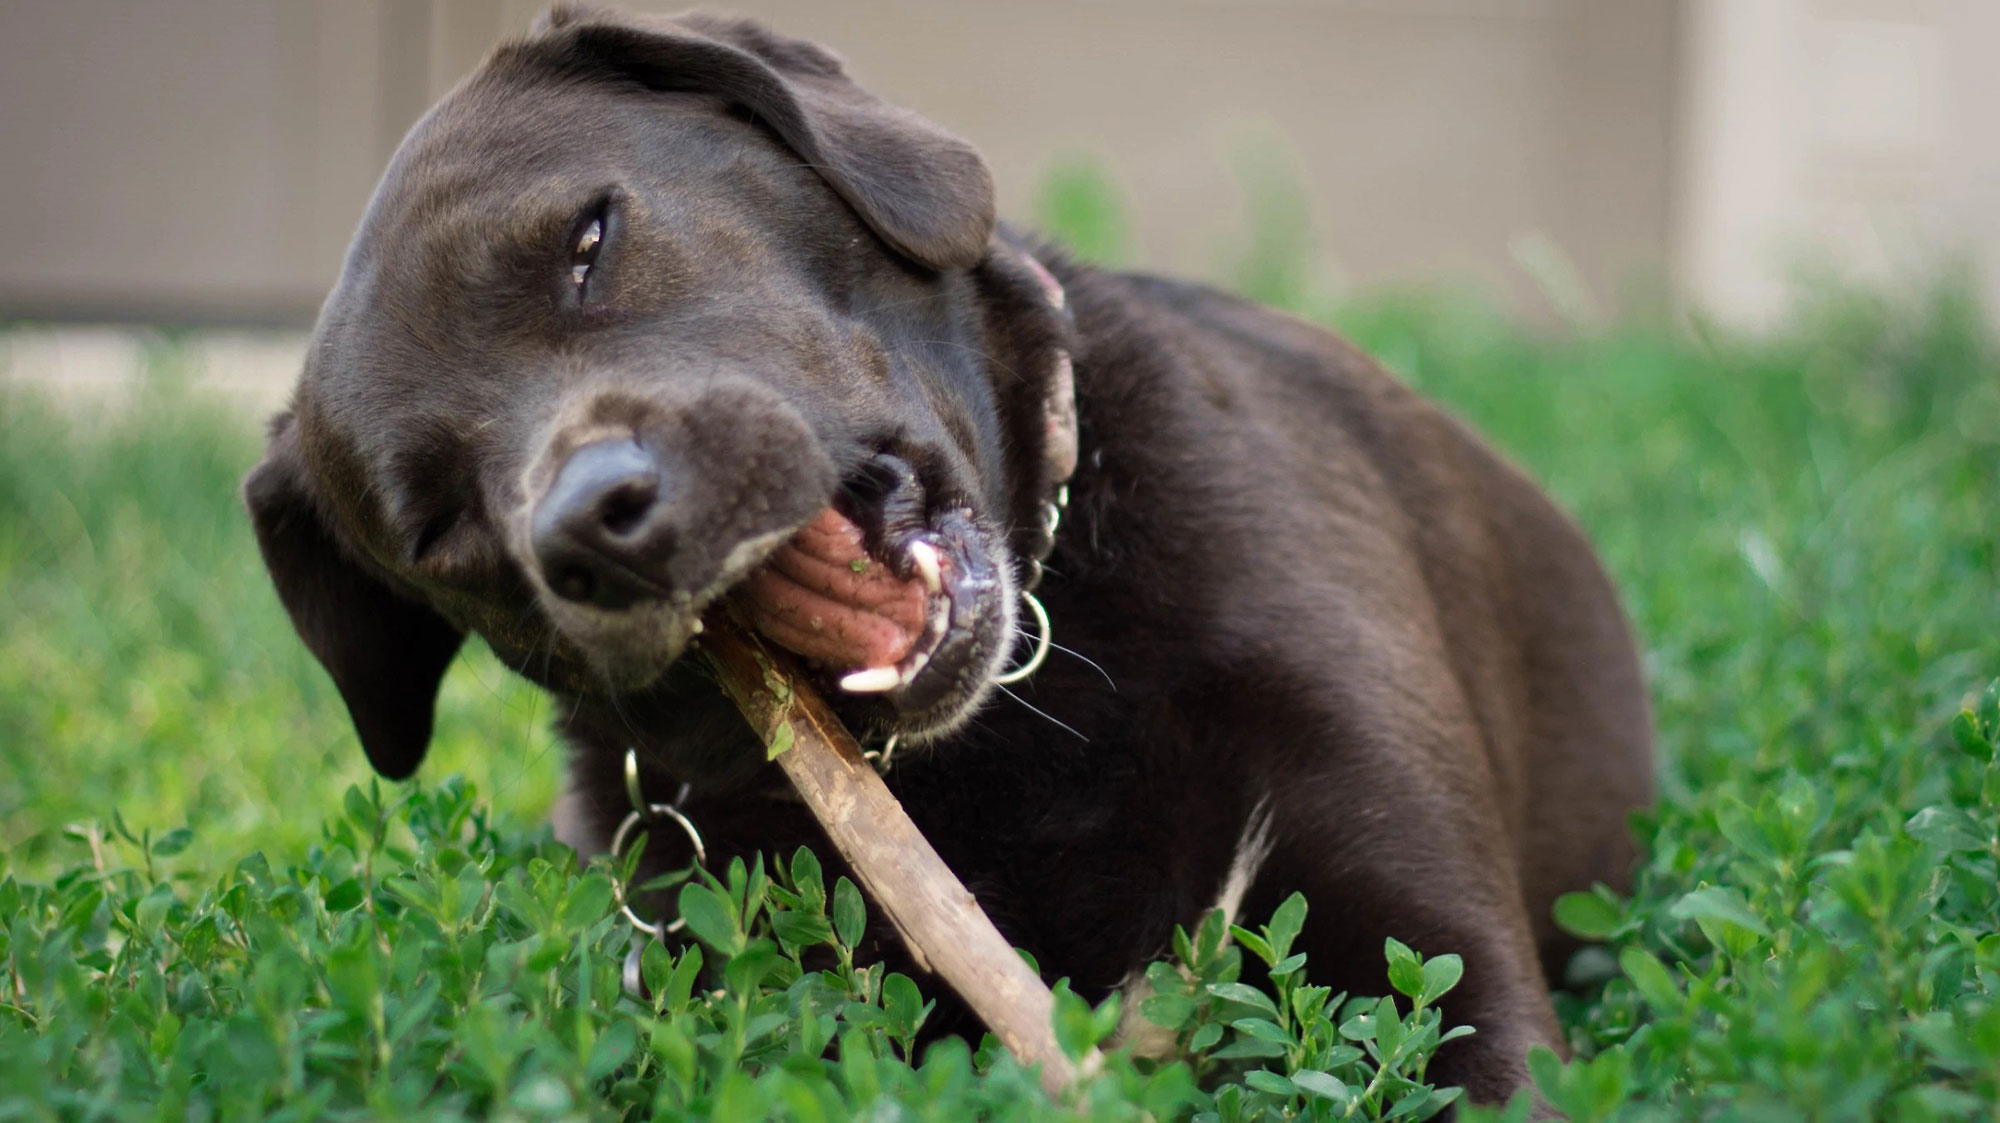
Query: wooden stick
(939, 919)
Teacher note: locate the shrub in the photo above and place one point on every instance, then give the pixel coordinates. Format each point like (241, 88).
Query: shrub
(419, 963)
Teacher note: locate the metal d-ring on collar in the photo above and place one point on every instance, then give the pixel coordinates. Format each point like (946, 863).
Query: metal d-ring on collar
(642, 817)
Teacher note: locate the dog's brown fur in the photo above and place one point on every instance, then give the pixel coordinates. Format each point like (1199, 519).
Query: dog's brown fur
(1310, 598)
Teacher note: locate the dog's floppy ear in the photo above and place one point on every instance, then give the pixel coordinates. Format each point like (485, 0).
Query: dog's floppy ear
(925, 192)
(386, 652)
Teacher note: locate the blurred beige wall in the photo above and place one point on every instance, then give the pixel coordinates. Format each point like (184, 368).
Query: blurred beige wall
(1859, 135)
(207, 159)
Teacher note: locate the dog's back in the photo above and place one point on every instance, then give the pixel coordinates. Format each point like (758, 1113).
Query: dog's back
(1394, 544)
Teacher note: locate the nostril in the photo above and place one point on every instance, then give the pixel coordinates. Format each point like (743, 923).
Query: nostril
(574, 582)
(624, 508)
(596, 533)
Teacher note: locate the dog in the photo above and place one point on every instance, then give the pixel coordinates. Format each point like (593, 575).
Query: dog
(652, 319)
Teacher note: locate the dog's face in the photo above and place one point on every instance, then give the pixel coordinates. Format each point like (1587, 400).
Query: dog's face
(631, 307)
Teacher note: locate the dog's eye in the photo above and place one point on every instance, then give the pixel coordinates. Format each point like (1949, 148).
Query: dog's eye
(583, 254)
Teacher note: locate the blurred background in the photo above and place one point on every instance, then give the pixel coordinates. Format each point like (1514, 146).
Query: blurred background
(205, 161)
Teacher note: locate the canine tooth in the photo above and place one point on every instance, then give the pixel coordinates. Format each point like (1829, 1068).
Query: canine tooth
(873, 680)
(697, 629)
(925, 557)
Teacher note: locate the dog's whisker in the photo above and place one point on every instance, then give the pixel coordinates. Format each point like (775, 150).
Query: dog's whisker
(1093, 664)
(1058, 722)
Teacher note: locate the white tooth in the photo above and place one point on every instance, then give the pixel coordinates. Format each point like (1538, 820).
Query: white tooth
(912, 666)
(925, 557)
(697, 627)
(873, 680)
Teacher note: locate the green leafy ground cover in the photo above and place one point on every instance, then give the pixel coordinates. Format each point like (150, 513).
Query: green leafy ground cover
(201, 918)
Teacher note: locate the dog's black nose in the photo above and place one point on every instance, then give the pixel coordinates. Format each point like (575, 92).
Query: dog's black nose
(593, 531)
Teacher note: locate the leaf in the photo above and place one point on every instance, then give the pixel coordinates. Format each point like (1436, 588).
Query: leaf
(1971, 742)
(1266, 1081)
(1247, 1048)
(1208, 939)
(850, 916)
(1406, 972)
(806, 877)
(782, 739)
(1205, 1036)
(589, 900)
(1073, 1024)
(1440, 975)
(1323, 1085)
(1170, 1011)
(1949, 829)
(1650, 979)
(344, 896)
(1586, 916)
(1547, 1070)
(1244, 995)
(1253, 943)
(748, 969)
(1286, 923)
(612, 1049)
(1439, 1099)
(676, 1052)
(1742, 828)
(1263, 1029)
(153, 908)
(904, 1004)
(680, 985)
(361, 811)
(172, 842)
(1390, 1033)
(1339, 1056)
(801, 929)
(1410, 1103)
(709, 917)
(1716, 902)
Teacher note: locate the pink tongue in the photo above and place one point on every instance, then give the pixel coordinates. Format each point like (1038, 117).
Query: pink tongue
(823, 597)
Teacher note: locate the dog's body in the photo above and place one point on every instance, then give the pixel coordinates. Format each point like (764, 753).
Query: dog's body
(1319, 637)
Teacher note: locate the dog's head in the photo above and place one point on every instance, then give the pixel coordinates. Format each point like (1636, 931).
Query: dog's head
(631, 306)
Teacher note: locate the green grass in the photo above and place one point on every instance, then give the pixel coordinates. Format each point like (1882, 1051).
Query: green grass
(1804, 530)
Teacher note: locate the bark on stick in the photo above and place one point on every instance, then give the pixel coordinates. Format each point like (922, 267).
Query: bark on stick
(939, 919)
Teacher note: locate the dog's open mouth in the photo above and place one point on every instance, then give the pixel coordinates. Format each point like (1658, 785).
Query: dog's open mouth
(904, 610)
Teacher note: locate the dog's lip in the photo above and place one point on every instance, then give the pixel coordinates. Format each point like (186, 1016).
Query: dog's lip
(952, 648)
(900, 638)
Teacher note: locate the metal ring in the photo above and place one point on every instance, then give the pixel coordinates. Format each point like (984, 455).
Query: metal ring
(653, 813)
(1041, 652)
(632, 974)
(885, 755)
(632, 788)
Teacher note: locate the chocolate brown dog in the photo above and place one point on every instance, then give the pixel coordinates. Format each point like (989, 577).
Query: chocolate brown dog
(653, 315)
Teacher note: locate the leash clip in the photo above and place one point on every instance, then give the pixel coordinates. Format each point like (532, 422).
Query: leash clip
(883, 757)
(641, 818)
